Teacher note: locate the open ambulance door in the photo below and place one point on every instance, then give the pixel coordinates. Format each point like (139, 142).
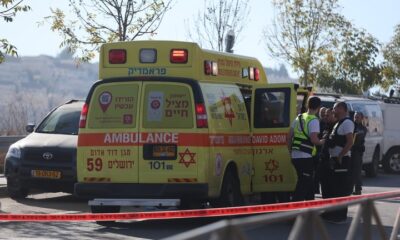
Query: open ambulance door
(273, 110)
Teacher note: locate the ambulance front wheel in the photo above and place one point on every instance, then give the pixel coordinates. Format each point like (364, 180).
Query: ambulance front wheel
(230, 192)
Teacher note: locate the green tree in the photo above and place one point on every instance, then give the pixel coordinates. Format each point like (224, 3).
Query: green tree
(351, 67)
(213, 23)
(8, 10)
(302, 31)
(95, 22)
(391, 53)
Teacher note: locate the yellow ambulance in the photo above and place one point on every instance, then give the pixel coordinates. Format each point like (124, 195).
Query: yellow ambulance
(169, 120)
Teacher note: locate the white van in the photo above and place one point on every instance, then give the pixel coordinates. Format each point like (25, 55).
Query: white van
(391, 141)
(373, 120)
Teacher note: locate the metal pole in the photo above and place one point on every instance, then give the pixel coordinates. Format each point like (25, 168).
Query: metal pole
(235, 233)
(378, 222)
(366, 220)
(320, 226)
(396, 226)
(354, 224)
(297, 228)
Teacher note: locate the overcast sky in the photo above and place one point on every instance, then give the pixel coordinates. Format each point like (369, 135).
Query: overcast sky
(378, 17)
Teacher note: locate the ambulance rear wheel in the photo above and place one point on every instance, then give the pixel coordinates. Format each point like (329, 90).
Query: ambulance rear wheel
(105, 209)
(230, 192)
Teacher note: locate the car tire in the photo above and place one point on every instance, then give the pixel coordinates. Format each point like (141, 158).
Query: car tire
(230, 192)
(371, 169)
(105, 209)
(391, 161)
(15, 188)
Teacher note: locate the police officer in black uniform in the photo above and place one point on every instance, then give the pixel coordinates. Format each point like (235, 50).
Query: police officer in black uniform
(336, 180)
(357, 151)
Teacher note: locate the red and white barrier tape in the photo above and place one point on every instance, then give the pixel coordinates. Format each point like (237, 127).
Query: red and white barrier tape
(212, 212)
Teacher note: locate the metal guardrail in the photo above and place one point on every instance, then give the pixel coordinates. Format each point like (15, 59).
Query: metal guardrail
(6, 141)
(307, 223)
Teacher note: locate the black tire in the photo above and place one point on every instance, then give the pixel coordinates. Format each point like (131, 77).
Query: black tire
(391, 161)
(230, 192)
(105, 209)
(371, 169)
(15, 188)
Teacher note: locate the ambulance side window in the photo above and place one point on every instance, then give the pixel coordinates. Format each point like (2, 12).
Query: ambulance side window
(272, 108)
(226, 107)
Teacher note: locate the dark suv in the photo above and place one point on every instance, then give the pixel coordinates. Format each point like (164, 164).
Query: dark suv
(46, 158)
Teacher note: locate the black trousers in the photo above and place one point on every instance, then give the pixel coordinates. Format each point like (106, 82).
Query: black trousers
(336, 181)
(305, 179)
(356, 167)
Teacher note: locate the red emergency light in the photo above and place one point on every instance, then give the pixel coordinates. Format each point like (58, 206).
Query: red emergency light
(117, 56)
(84, 113)
(210, 68)
(254, 73)
(178, 56)
(201, 116)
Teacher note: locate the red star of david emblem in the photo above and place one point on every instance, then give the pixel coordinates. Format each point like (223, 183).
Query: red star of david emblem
(185, 156)
(271, 166)
(229, 114)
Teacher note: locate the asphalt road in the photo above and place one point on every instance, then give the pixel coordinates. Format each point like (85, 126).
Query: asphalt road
(65, 203)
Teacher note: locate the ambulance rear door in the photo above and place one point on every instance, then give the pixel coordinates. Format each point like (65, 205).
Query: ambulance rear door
(108, 144)
(273, 107)
(171, 148)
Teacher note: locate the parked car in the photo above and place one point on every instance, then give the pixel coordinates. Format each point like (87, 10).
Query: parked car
(46, 158)
(373, 120)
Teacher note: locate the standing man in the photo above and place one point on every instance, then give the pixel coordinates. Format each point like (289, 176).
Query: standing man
(338, 182)
(304, 137)
(357, 151)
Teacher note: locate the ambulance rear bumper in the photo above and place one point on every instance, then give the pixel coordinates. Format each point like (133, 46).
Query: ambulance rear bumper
(135, 190)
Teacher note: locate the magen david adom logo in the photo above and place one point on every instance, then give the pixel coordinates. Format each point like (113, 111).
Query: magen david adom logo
(105, 99)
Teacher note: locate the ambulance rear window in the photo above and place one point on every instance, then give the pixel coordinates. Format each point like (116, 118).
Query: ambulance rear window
(167, 105)
(114, 105)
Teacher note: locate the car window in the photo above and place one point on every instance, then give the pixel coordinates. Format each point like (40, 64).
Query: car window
(61, 121)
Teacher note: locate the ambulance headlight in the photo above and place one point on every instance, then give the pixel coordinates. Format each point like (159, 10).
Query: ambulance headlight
(14, 151)
(148, 55)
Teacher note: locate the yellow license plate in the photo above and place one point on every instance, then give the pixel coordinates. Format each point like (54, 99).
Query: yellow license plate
(164, 151)
(46, 174)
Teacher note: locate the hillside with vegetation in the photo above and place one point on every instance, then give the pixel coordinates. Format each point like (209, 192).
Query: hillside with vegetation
(31, 86)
